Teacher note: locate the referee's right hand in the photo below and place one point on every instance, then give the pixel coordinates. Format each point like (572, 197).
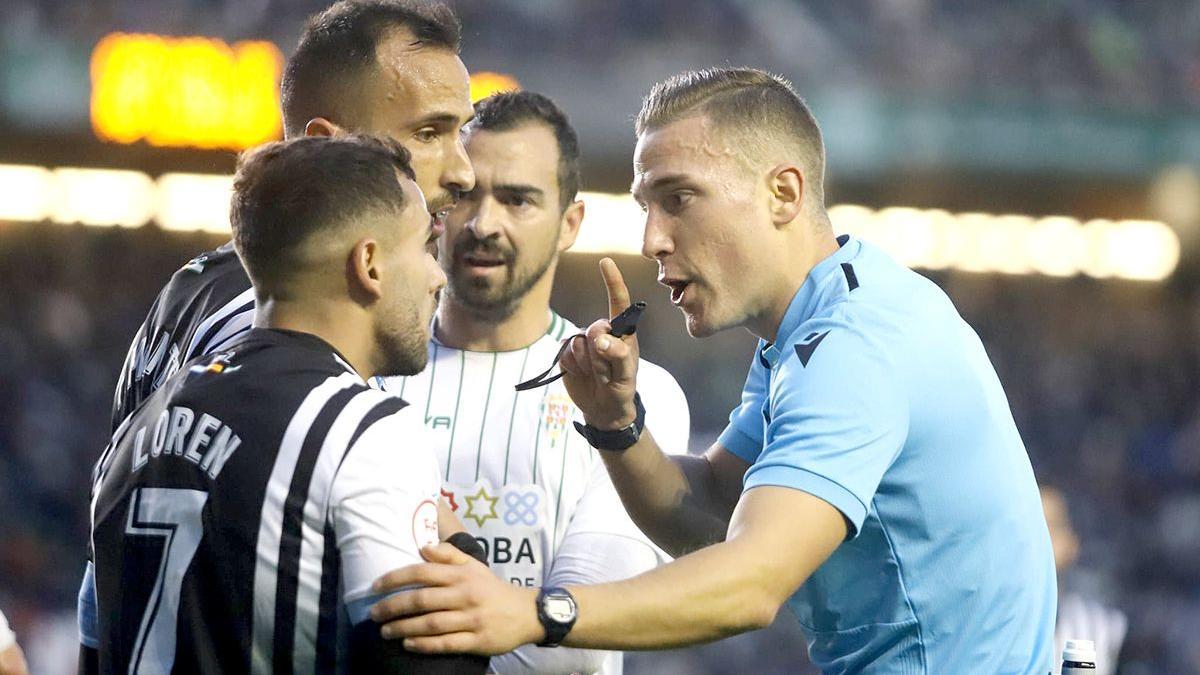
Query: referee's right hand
(600, 369)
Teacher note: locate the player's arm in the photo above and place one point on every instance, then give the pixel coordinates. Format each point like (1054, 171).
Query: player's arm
(838, 423)
(12, 659)
(681, 502)
(600, 544)
(728, 588)
(382, 507)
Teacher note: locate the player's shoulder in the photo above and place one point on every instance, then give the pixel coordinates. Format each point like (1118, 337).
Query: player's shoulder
(650, 373)
(207, 284)
(391, 444)
(220, 266)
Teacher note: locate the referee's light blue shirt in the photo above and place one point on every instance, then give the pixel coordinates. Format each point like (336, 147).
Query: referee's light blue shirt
(879, 399)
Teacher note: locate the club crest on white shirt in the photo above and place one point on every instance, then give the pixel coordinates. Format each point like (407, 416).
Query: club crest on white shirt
(425, 524)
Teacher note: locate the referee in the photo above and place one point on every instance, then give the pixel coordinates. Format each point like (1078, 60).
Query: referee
(258, 493)
(872, 478)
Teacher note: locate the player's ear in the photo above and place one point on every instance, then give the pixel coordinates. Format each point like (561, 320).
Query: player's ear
(364, 271)
(319, 126)
(571, 220)
(786, 186)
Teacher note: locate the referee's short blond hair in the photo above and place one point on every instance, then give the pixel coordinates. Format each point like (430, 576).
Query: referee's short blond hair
(762, 112)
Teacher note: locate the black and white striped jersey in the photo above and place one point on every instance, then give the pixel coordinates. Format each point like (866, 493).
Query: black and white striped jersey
(249, 503)
(207, 303)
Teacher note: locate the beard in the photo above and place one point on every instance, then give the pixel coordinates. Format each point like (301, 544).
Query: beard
(487, 299)
(403, 341)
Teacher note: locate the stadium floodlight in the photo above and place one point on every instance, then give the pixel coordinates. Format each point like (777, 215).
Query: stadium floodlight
(102, 197)
(612, 223)
(933, 239)
(26, 193)
(189, 201)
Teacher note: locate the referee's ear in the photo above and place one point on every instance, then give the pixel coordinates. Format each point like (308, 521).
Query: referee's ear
(786, 186)
(319, 126)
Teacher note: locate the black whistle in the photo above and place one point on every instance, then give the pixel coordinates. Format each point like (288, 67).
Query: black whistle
(625, 323)
(621, 325)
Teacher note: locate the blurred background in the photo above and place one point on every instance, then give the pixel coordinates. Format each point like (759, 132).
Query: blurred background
(1038, 159)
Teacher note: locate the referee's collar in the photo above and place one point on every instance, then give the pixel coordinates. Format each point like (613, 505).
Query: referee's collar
(808, 299)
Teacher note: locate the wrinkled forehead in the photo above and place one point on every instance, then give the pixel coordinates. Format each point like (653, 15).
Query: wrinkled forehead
(416, 82)
(692, 146)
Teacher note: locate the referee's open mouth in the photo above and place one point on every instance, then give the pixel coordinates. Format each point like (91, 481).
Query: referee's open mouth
(678, 288)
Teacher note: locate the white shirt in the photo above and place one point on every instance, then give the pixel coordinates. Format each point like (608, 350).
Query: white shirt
(383, 505)
(526, 484)
(7, 638)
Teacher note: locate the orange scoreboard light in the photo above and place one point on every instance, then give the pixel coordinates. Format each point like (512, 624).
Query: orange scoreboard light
(185, 92)
(486, 83)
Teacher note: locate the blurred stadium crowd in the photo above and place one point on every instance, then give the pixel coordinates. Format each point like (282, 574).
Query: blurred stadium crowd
(1100, 375)
(1140, 55)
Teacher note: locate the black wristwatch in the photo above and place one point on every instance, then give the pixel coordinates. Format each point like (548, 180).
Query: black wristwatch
(617, 439)
(557, 611)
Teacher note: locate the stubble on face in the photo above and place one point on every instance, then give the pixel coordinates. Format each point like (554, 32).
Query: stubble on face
(488, 299)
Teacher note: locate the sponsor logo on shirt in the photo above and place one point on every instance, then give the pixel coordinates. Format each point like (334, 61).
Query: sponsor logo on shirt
(510, 522)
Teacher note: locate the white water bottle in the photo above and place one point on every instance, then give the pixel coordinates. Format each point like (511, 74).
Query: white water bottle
(1079, 658)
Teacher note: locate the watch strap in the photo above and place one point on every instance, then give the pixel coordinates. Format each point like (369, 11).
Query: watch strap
(616, 439)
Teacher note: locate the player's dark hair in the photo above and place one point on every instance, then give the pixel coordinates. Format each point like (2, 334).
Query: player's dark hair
(763, 108)
(508, 110)
(337, 53)
(286, 191)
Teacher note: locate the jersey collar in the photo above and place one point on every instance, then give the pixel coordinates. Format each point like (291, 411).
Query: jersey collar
(303, 340)
(809, 299)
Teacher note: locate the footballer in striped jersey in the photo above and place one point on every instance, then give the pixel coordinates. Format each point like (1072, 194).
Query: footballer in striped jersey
(248, 505)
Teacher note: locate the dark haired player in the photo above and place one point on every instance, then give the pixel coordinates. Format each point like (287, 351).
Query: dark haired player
(260, 490)
(389, 68)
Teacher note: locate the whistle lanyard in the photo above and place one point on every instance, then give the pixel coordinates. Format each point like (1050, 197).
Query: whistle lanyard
(623, 324)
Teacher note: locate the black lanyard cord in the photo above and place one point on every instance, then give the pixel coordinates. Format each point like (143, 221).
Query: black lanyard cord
(623, 324)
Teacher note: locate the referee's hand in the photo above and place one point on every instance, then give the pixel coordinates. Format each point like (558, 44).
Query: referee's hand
(599, 369)
(454, 604)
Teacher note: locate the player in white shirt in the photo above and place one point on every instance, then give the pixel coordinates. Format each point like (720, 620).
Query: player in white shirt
(516, 473)
(12, 660)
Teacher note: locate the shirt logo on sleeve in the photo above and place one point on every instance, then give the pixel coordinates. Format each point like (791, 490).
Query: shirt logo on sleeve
(425, 524)
(805, 349)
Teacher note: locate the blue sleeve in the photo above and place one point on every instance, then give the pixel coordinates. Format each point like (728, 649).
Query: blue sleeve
(89, 634)
(836, 422)
(744, 434)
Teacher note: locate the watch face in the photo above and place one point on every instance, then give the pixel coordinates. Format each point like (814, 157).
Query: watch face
(559, 608)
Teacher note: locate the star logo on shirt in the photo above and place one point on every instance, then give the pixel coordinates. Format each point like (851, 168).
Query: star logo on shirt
(481, 506)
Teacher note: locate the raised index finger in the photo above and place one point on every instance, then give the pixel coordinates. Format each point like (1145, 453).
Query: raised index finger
(618, 294)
